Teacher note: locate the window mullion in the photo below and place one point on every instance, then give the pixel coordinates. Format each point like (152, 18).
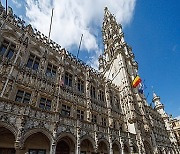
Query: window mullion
(23, 97)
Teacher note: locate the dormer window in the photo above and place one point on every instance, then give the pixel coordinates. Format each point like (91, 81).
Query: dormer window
(80, 86)
(33, 62)
(51, 70)
(7, 49)
(68, 79)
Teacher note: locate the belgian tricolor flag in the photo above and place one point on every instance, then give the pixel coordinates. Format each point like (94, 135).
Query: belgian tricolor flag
(136, 81)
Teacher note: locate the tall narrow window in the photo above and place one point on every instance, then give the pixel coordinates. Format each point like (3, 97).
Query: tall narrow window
(68, 79)
(23, 97)
(80, 114)
(3, 49)
(65, 111)
(33, 62)
(51, 70)
(101, 95)
(93, 92)
(94, 118)
(45, 104)
(80, 86)
(103, 121)
(117, 104)
(114, 124)
(10, 53)
(7, 49)
(111, 100)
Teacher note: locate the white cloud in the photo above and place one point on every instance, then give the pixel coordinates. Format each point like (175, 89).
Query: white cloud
(178, 117)
(17, 4)
(75, 17)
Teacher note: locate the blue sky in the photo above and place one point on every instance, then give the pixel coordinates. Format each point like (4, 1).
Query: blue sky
(152, 29)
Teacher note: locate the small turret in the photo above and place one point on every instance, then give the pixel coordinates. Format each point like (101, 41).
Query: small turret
(157, 102)
(159, 106)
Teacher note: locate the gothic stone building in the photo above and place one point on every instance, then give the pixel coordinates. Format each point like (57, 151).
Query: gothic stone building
(53, 103)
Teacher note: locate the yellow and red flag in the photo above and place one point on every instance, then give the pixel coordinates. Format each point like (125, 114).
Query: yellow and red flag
(136, 81)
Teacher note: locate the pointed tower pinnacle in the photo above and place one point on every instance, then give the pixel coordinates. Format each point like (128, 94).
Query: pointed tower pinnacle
(156, 101)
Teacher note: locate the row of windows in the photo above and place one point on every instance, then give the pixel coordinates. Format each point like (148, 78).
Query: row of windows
(7, 49)
(45, 104)
(25, 97)
(66, 110)
(34, 61)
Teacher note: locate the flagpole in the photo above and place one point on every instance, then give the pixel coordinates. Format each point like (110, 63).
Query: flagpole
(6, 7)
(50, 25)
(79, 45)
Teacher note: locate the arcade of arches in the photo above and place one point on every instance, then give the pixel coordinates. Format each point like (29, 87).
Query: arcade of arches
(38, 143)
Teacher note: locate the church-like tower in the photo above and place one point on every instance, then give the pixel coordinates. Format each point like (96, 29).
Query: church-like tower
(118, 65)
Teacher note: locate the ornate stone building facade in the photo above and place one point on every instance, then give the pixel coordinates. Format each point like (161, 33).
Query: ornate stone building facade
(53, 103)
(175, 124)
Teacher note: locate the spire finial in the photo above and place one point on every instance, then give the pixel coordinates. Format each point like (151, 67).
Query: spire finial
(154, 94)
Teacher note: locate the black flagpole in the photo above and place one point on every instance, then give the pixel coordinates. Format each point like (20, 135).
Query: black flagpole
(79, 45)
(50, 25)
(6, 7)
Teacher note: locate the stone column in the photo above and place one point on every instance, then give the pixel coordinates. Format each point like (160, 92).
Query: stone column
(96, 139)
(59, 83)
(87, 89)
(18, 148)
(122, 146)
(110, 142)
(77, 148)
(53, 148)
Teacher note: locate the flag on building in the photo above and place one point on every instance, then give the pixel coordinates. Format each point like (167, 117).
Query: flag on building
(141, 89)
(136, 81)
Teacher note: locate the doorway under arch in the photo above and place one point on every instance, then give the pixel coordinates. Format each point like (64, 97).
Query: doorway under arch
(116, 149)
(37, 143)
(65, 146)
(102, 148)
(86, 147)
(7, 140)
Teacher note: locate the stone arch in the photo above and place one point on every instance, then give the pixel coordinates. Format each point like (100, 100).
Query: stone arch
(64, 134)
(37, 130)
(37, 142)
(148, 148)
(7, 138)
(116, 147)
(9, 127)
(90, 139)
(103, 146)
(65, 143)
